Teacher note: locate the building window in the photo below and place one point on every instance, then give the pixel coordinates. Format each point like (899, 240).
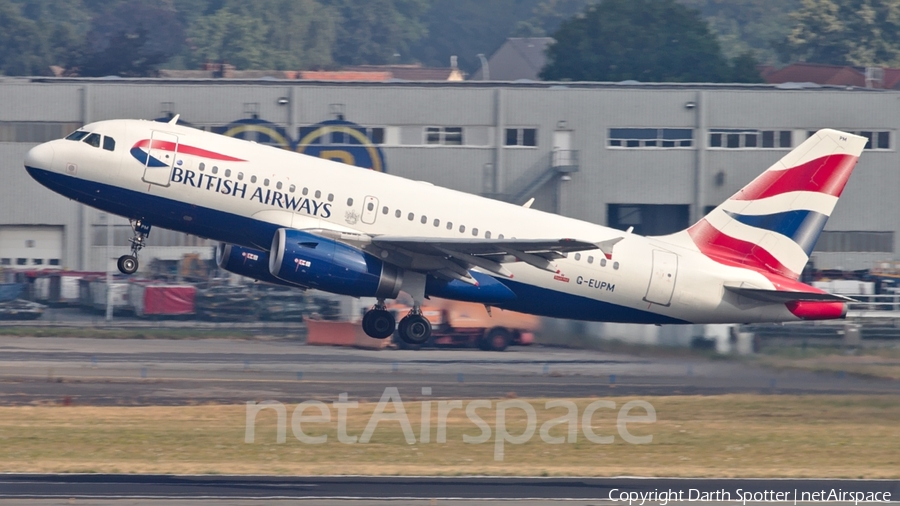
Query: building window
(521, 137)
(855, 241)
(651, 137)
(38, 131)
(877, 139)
(375, 134)
(53, 261)
(446, 136)
(739, 138)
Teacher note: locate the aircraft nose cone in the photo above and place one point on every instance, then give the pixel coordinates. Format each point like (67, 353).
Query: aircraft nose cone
(40, 157)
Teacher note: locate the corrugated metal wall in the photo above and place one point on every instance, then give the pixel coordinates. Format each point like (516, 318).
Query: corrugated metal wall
(607, 175)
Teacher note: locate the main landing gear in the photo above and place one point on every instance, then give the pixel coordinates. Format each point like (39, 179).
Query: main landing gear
(414, 329)
(378, 322)
(128, 264)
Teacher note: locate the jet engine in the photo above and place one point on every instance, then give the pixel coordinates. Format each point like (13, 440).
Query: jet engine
(248, 262)
(317, 262)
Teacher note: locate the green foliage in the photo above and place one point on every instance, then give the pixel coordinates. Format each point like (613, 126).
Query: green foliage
(131, 40)
(644, 40)
(377, 31)
(264, 34)
(845, 32)
(748, 25)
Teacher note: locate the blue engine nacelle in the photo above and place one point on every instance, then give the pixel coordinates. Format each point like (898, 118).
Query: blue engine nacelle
(317, 262)
(248, 262)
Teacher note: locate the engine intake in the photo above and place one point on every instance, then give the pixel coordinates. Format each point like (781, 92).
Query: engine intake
(248, 262)
(317, 262)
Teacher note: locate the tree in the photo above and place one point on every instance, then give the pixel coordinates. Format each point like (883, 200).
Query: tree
(747, 25)
(845, 32)
(264, 34)
(377, 31)
(131, 40)
(644, 40)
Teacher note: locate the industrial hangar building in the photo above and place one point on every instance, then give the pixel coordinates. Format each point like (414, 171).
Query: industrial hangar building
(651, 156)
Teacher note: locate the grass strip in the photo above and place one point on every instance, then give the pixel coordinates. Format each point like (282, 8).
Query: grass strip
(694, 436)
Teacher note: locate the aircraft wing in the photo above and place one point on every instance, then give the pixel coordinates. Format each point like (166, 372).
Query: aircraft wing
(779, 297)
(489, 254)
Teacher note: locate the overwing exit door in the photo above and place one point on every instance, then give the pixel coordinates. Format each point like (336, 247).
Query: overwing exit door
(370, 210)
(662, 277)
(162, 151)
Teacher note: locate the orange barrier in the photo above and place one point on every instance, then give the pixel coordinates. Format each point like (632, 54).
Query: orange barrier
(335, 333)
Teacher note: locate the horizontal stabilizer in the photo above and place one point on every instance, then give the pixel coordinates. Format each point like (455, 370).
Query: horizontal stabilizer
(780, 297)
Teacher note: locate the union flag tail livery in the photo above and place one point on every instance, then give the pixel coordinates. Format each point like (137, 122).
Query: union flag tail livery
(773, 223)
(300, 221)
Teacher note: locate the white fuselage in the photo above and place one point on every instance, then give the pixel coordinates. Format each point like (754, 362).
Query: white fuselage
(272, 187)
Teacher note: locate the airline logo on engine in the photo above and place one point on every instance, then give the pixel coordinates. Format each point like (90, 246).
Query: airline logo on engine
(264, 195)
(301, 263)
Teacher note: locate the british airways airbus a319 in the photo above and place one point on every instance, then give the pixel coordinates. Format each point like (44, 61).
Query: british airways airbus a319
(306, 222)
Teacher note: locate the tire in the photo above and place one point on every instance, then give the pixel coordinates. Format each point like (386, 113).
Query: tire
(498, 339)
(127, 264)
(414, 329)
(403, 345)
(379, 324)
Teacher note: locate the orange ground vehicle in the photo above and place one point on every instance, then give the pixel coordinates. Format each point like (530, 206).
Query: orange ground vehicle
(465, 324)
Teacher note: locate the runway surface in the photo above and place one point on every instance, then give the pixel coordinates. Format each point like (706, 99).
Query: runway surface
(472, 488)
(170, 372)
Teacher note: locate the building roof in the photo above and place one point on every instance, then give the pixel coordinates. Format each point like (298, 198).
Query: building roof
(816, 73)
(518, 58)
(412, 72)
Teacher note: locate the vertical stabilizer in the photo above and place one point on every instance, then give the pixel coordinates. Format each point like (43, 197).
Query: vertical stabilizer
(773, 223)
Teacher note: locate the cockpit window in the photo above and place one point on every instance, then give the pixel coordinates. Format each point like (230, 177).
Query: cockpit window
(77, 135)
(109, 143)
(93, 140)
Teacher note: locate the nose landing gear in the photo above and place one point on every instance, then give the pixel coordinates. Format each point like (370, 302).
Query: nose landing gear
(128, 264)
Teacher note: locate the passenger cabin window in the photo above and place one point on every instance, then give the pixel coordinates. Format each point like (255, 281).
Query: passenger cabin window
(215, 169)
(292, 189)
(475, 232)
(93, 140)
(449, 225)
(109, 144)
(370, 206)
(252, 179)
(349, 202)
(318, 194)
(384, 210)
(424, 219)
(330, 197)
(487, 235)
(397, 213)
(240, 175)
(278, 185)
(202, 166)
(411, 216)
(77, 135)
(437, 223)
(265, 181)
(227, 172)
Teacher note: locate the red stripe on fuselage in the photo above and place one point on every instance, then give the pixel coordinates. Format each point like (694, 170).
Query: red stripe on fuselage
(827, 174)
(730, 251)
(185, 149)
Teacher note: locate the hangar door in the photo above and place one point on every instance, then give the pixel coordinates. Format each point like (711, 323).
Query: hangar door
(31, 246)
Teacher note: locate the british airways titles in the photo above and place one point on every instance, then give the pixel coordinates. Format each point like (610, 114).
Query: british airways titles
(263, 195)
